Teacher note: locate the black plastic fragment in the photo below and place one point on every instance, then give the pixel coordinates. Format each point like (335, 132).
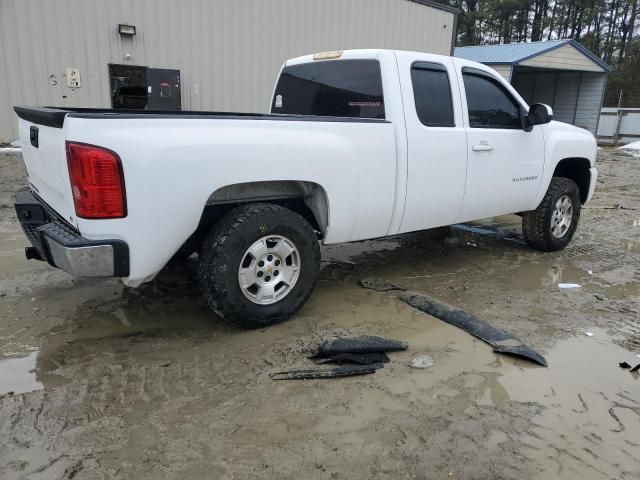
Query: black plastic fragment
(379, 285)
(362, 344)
(636, 368)
(358, 358)
(501, 341)
(337, 372)
(624, 365)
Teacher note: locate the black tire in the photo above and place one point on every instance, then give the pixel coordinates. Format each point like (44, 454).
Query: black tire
(536, 224)
(224, 248)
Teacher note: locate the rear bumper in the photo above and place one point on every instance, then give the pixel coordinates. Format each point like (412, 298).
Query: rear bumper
(63, 247)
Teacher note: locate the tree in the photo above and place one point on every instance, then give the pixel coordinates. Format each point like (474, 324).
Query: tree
(609, 28)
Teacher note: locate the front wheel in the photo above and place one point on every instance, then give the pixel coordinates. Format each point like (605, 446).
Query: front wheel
(259, 264)
(551, 226)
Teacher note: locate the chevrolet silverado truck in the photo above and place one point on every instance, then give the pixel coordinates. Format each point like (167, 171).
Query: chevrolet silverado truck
(359, 144)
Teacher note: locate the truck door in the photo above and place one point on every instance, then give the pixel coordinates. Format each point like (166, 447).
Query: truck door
(163, 89)
(437, 144)
(505, 162)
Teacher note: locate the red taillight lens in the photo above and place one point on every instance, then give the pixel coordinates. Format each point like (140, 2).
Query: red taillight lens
(97, 181)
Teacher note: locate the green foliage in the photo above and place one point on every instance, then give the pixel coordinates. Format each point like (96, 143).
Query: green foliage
(625, 78)
(609, 28)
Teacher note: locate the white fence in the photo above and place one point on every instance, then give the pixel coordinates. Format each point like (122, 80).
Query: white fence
(619, 125)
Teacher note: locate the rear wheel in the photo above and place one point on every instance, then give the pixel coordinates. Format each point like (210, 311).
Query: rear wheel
(551, 226)
(259, 264)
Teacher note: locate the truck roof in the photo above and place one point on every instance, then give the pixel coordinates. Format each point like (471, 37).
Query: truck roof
(364, 53)
(351, 54)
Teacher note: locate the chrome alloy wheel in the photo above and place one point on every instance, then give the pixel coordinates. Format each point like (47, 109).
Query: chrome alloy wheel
(269, 269)
(561, 217)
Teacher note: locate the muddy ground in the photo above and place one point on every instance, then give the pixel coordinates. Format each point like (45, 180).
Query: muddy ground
(101, 381)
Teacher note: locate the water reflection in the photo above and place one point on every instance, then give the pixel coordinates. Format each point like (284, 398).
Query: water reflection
(18, 374)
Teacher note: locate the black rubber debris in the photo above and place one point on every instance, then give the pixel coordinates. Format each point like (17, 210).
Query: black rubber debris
(337, 372)
(362, 344)
(379, 285)
(636, 368)
(624, 365)
(357, 358)
(501, 341)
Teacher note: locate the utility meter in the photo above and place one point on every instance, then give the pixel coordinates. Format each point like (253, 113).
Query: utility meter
(73, 77)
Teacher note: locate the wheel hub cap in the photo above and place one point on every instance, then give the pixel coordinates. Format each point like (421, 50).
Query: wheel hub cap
(561, 217)
(269, 269)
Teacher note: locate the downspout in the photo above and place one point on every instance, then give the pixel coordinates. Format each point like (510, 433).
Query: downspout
(454, 33)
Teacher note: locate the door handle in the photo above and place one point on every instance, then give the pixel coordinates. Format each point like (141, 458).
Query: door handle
(482, 147)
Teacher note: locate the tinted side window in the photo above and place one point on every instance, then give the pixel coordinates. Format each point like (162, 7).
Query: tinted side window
(432, 94)
(336, 88)
(488, 104)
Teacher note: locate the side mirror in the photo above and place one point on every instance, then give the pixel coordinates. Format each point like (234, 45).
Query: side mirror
(539, 114)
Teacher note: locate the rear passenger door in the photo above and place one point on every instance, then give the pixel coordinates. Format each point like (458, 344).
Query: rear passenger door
(437, 144)
(505, 162)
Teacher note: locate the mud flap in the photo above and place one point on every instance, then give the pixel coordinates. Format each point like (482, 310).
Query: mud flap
(358, 358)
(344, 371)
(502, 342)
(362, 344)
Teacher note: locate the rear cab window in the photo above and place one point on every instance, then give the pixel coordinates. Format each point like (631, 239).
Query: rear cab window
(432, 94)
(334, 88)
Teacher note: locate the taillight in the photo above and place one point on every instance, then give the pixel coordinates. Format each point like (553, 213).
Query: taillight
(97, 181)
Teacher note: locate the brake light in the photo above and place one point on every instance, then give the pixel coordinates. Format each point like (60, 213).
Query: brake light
(97, 181)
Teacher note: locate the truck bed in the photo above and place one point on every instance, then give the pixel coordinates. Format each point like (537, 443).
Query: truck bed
(174, 162)
(55, 116)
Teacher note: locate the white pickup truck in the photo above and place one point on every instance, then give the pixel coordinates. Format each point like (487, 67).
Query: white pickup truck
(359, 144)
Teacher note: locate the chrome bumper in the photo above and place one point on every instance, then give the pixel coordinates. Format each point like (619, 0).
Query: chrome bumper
(90, 261)
(63, 247)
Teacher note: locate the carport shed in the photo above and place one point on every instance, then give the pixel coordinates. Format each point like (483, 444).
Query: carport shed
(560, 73)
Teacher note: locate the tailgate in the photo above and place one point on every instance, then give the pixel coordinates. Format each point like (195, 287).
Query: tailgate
(43, 149)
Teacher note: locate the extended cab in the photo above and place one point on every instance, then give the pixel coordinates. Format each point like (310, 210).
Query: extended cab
(359, 144)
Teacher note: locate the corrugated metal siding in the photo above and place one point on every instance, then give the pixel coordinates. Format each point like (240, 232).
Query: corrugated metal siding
(560, 90)
(229, 52)
(590, 101)
(536, 87)
(566, 57)
(566, 95)
(504, 70)
(525, 83)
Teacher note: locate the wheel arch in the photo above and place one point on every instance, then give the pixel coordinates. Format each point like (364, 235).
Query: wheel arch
(578, 170)
(308, 199)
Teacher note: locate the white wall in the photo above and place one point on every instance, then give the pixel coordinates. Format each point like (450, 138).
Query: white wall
(229, 51)
(566, 57)
(504, 70)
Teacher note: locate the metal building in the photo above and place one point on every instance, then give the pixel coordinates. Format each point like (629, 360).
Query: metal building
(191, 54)
(560, 73)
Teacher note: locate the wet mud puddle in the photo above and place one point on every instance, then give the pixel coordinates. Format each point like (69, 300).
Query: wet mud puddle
(586, 421)
(590, 424)
(163, 380)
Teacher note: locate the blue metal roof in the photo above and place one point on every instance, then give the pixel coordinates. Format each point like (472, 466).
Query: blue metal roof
(514, 53)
